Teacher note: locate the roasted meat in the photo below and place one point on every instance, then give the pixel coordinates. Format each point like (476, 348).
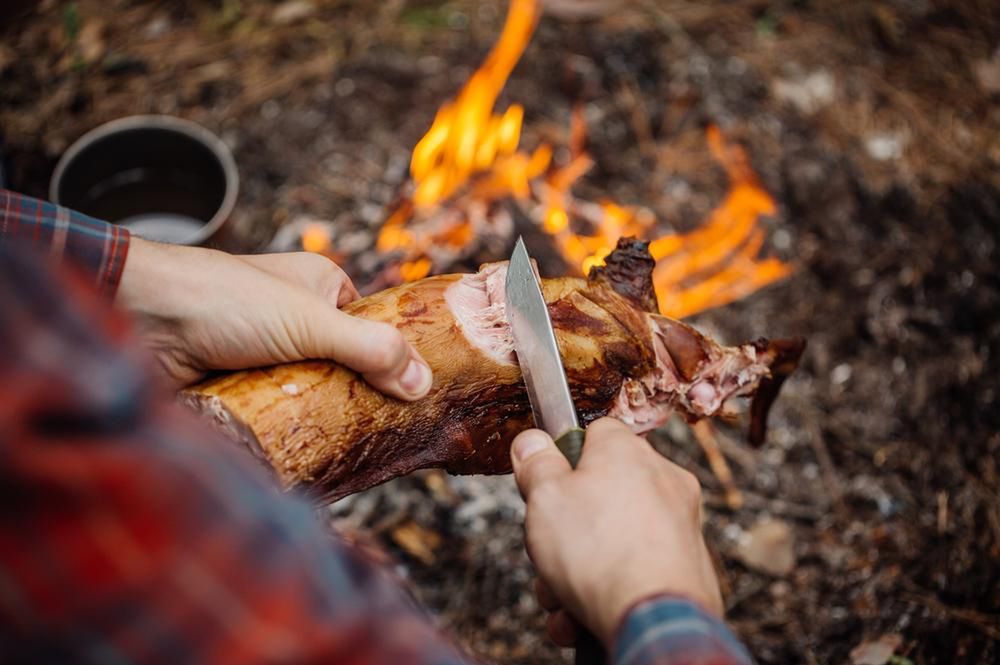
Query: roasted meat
(321, 426)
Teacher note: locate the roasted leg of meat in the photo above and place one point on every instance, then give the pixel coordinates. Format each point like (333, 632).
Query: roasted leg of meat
(321, 427)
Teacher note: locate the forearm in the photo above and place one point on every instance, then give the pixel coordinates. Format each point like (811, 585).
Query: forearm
(670, 630)
(96, 248)
(169, 547)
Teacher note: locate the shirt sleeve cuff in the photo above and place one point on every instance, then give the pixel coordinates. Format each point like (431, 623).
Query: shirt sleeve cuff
(120, 241)
(96, 248)
(671, 630)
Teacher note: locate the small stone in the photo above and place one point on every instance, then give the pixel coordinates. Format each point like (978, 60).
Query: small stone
(769, 547)
(808, 93)
(988, 73)
(781, 239)
(780, 589)
(292, 11)
(876, 652)
(344, 87)
(290, 389)
(841, 374)
(579, 10)
(157, 27)
(91, 41)
(885, 146)
(354, 243)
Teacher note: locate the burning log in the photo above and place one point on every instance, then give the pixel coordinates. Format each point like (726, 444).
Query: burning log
(321, 427)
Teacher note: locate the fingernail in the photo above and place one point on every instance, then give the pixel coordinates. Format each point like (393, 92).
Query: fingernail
(416, 378)
(529, 443)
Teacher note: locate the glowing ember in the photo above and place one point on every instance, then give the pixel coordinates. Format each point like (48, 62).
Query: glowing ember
(315, 238)
(469, 160)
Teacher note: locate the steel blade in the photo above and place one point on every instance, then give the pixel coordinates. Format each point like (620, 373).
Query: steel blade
(536, 347)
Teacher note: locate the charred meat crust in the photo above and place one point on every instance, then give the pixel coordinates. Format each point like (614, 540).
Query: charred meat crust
(629, 271)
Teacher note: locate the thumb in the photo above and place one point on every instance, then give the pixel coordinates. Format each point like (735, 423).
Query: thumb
(375, 350)
(536, 461)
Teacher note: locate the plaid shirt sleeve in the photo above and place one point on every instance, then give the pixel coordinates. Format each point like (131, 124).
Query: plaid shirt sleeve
(130, 533)
(97, 248)
(669, 630)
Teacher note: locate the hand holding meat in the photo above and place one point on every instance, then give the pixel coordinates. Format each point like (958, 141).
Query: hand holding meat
(201, 310)
(654, 546)
(323, 429)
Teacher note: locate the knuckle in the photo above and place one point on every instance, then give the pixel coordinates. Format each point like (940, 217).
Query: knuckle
(543, 491)
(607, 426)
(607, 429)
(386, 347)
(690, 486)
(326, 274)
(317, 265)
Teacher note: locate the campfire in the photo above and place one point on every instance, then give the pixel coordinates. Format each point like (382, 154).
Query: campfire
(470, 178)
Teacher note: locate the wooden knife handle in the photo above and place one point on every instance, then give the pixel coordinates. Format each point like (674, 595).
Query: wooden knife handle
(570, 444)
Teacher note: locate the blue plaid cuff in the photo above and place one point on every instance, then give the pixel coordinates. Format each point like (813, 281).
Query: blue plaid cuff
(669, 630)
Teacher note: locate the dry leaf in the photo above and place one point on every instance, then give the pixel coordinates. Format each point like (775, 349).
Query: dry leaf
(91, 41)
(292, 11)
(7, 57)
(876, 652)
(768, 547)
(580, 9)
(988, 73)
(437, 482)
(417, 541)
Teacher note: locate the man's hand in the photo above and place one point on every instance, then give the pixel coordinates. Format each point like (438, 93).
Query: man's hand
(200, 310)
(625, 525)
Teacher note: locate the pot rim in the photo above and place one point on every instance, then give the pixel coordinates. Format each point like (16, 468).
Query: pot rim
(187, 128)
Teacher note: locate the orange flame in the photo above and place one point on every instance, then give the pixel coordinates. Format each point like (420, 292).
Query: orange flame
(718, 262)
(710, 266)
(467, 137)
(315, 238)
(470, 158)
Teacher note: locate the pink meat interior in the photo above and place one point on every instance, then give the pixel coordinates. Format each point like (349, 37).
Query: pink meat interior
(644, 403)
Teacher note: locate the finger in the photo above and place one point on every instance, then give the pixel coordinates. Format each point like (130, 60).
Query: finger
(562, 628)
(546, 596)
(375, 350)
(348, 293)
(536, 460)
(315, 272)
(609, 440)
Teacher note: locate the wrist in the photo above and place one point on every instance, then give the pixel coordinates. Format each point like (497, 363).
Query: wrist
(637, 584)
(162, 281)
(617, 604)
(143, 267)
(690, 627)
(162, 287)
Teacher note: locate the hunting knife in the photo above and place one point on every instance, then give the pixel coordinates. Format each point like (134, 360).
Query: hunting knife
(538, 355)
(545, 379)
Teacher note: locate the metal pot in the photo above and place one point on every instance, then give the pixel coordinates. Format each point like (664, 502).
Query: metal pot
(163, 178)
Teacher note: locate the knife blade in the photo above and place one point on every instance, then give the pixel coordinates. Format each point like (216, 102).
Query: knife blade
(548, 391)
(538, 355)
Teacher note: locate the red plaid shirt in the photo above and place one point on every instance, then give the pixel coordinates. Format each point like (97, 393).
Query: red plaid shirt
(132, 534)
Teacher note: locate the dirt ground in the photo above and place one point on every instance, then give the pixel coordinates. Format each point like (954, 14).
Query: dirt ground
(874, 508)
